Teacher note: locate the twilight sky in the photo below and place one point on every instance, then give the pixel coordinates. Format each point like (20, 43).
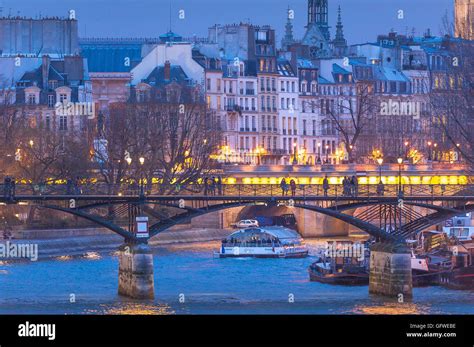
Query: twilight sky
(363, 19)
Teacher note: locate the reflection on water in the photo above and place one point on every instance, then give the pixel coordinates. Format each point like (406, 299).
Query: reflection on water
(392, 308)
(132, 309)
(190, 280)
(92, 255)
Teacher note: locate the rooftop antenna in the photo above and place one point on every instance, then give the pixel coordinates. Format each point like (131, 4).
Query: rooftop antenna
(170, 16)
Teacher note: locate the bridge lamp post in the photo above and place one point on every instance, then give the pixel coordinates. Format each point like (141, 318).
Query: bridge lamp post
(380, 162)
(319, 152)
(295, 159)
(400, 161)
(406, 150)
(327, 154)
(458, 145)
(429, 150)
(141, 161)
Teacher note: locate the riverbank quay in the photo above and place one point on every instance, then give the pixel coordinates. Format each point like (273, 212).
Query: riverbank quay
(79, 242)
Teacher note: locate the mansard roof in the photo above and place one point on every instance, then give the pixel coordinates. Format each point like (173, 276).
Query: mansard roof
(306, 64)
(108, 57)
(284, 68)
(339, 70)
(157, 76)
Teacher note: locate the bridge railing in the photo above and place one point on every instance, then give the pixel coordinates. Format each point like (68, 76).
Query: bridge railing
(233, 190)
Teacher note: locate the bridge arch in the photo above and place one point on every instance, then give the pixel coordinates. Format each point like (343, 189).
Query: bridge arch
(191, 212)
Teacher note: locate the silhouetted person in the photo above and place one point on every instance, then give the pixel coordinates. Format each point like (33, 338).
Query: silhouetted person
(293, 187)
(206, 186)
(283, 186)
(213, 185)
(354, 186)
(68, 186)
(380, 188)
(219, 185)
(325, 185)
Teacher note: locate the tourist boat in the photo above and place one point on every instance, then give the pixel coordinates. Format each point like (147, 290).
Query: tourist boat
(343, 263)
(264, 242)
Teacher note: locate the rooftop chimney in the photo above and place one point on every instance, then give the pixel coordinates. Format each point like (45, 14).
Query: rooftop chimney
(167, 72)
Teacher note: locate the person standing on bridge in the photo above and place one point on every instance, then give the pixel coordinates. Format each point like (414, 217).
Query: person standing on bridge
(293, 187)
(380, 188)
(219, 185)
(213, 185)
(206, 186)
(68, 186)
(77, 189)
(283, 186)
(325, 185)
(354, 186)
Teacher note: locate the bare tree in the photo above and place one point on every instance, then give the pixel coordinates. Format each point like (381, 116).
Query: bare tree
(352, 115)
(452, 96)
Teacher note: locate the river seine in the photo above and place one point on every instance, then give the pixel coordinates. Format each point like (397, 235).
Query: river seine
(189, 280)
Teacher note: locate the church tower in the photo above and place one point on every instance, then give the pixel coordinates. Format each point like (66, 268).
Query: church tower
(288, 39)
(317, 36)
(339, 42)
(318, 15)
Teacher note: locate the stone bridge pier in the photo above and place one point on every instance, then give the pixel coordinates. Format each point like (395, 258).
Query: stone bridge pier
(136, 271)
(390, 270)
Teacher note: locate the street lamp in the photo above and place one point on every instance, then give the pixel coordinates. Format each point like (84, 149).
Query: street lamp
(31, 143)
(458, 145)
(295, 159)
(435, 152)
(128, 160)
(142, 178)
(429, 150)
(400, 161)
(406, 150)
(327, 154)
(380, 161)
(319, 152)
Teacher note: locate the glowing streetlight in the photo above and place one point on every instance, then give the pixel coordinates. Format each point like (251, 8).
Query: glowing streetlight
(141, 160)
(429, 150)
(31, 143)
(400, 161)
(128, 160)
(295, 159)
(380, 162)
(319, 152)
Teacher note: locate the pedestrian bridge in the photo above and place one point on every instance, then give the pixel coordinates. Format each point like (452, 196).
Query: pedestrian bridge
(389, 215)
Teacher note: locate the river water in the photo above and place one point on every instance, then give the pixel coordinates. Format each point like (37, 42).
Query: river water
(189, 280)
